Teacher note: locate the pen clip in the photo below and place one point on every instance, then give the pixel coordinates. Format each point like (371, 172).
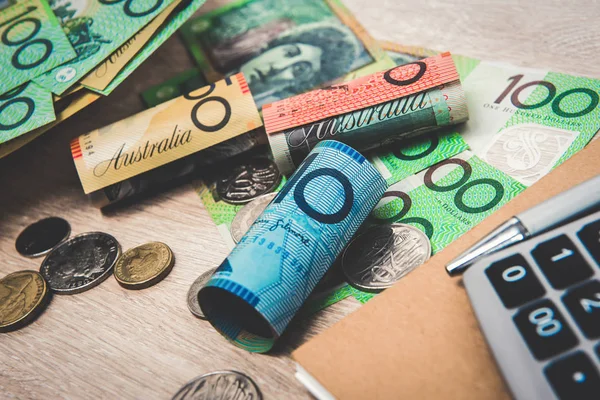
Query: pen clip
(507, 234)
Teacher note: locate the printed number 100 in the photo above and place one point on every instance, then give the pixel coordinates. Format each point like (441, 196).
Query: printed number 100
(550, 97)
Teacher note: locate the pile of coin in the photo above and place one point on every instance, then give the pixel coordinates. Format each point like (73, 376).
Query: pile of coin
(73, 266)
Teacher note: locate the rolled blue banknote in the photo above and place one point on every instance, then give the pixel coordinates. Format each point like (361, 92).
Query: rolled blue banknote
(260, 286)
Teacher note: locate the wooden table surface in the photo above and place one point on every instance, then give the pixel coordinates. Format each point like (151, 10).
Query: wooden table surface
(118, 344)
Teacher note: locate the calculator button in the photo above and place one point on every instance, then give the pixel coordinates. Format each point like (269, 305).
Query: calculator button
(590, 236)
(574, 377)
(514, 281)
(561, 262)
(544, 329)
(583, 302)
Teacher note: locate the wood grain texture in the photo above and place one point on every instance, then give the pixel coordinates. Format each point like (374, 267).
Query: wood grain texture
(113, 343)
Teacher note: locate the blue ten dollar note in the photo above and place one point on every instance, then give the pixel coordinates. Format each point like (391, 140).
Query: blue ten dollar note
(267, 277)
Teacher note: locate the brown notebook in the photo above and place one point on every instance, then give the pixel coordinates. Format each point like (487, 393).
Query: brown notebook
(420, 338)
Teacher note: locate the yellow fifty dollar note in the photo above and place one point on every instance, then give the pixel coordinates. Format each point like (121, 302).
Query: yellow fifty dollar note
(165, 133)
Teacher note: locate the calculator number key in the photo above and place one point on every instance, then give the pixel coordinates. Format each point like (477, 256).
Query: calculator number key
(561, 262)
(574, 377)
(590, 236)
(544, 329)
(514, 281)
(583, 302)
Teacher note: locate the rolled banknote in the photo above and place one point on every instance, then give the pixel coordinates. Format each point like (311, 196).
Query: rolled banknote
(523, 121)
(263, 282)
(169, 132)
(368, 112)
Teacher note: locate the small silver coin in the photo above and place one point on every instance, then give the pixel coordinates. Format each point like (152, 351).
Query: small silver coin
(222, 385)
(42, 236)
(246, 216)
(80, 263)
(192, 297)
(248, 181)
(380, 256)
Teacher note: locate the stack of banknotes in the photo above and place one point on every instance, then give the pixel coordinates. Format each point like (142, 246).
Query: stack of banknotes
(354, 134)
(58, 56)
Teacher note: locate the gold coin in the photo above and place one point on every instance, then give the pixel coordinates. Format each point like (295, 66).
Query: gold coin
(22, 296)
(143, 266)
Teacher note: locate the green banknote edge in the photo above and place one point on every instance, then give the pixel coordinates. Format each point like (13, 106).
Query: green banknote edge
(158, 39)
(67, 52)
(86, 65)
(42, 114)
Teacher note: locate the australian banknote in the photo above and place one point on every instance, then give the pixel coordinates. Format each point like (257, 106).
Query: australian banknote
(32, 42)
(24, 109)
(283, 47)
(31, 107)
(522, 121)
(285, 253)
(95, 29)
(176, 19)
(109, 68)
(517, 132)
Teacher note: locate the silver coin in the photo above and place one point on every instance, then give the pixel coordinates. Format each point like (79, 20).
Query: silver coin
(192, 297)
(42, 236)
(222, 385)
(246, 216)
(248, 181)
(80, 263)
(380, 256)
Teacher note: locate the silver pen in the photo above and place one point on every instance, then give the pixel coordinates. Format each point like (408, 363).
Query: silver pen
(534, 221)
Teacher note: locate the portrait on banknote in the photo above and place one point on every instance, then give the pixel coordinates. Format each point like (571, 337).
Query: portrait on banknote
(282, 49)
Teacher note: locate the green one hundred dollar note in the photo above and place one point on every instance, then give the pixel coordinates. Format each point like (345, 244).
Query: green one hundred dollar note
(526, 122)
(32, 42)
(174, 87)
(95, 28)
(24, 109)
(406, 159)
(180, 15)
(283, 47)
(446, 200)
(522, 121)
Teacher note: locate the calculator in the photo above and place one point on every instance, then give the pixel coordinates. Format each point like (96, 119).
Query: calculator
(538, 305)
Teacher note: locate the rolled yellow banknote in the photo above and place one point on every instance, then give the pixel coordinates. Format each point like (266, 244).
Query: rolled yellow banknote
(168, 132)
